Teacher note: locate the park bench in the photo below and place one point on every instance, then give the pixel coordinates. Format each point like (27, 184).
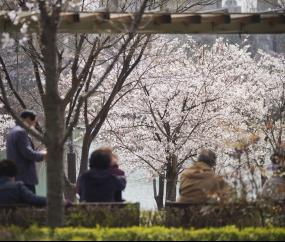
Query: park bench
(242, 214)
(84, 214)
(185, 214)
(169, 204)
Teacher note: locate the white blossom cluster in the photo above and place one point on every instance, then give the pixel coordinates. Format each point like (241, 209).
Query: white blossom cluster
(7, 123)
(218, 97)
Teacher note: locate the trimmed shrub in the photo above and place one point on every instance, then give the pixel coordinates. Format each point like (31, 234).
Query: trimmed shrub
(83, 215)
(143, 234)
(239, 213)
(115, 215)
(22, 217)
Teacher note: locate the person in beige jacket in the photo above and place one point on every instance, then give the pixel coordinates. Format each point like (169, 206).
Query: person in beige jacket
(199, 182)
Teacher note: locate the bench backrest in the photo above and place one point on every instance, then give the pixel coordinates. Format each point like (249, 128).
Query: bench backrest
(169, 204)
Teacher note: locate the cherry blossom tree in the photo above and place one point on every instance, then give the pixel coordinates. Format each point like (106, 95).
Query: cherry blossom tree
(182, 104)
(263, 104)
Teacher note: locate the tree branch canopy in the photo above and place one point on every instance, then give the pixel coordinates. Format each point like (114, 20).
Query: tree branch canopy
(16, 116)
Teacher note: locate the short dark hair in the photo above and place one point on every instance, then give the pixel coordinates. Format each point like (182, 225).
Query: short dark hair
(208, 156)
(29, 114)
(8, 168)
(100, 159)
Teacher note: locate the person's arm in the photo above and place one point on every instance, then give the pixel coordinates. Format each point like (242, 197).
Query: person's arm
(27, 197)
(121, 183)
(26, 149)
(79, 190)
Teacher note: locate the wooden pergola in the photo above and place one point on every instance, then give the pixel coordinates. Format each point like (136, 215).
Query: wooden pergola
(210, 22)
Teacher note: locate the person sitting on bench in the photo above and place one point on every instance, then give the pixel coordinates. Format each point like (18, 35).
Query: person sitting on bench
(274, 187)
(99, 184)
(199, 182)
(114, 168)
(15, 192)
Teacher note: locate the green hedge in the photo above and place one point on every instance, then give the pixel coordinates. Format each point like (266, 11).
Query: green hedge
(141, 233)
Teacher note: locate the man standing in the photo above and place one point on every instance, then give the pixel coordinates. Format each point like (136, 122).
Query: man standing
(21, 149)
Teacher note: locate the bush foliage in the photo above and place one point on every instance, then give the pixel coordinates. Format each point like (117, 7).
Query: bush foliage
(85, 215)
(232, 212)
(239, 213)
(142, 234)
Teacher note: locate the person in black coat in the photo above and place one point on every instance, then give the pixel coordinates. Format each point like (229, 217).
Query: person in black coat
(99, 184)
(15, 192)
(114, 168)
(20, 149)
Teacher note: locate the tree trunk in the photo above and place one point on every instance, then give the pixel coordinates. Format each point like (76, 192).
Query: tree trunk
(159, 198)
(53, 132)
(55, 210)
(171, 188)
(85, 152)
(70, 190)
(172, 175)
(263, 179)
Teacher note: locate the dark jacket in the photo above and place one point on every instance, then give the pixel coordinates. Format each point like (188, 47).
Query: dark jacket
(118, 194)
(118, 172)
(21, 149)
(100, 186)
(16, 193)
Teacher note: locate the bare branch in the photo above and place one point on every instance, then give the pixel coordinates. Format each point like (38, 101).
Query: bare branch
(11, 85)
(147, 162)
(134, 26)
(16, 116)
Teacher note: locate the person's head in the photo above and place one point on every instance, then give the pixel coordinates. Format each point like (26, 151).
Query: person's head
(100, 160)
(30, 117)
(277, 159)
(114, 158)
(208, 156)
(8, 168)
(279, 163)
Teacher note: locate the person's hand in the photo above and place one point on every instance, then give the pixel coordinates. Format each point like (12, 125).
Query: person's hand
(67, 203)
(122, 177)
(45, 153)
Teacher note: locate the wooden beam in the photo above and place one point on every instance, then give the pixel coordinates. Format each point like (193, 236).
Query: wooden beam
(274, 20)
(72, 18)
(252, 19)
(160, 23)
(196, 19)
(222, 19)
(163, 19)
(75, 18)
(126, 18)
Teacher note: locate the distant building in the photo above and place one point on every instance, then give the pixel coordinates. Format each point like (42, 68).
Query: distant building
(232, 6)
